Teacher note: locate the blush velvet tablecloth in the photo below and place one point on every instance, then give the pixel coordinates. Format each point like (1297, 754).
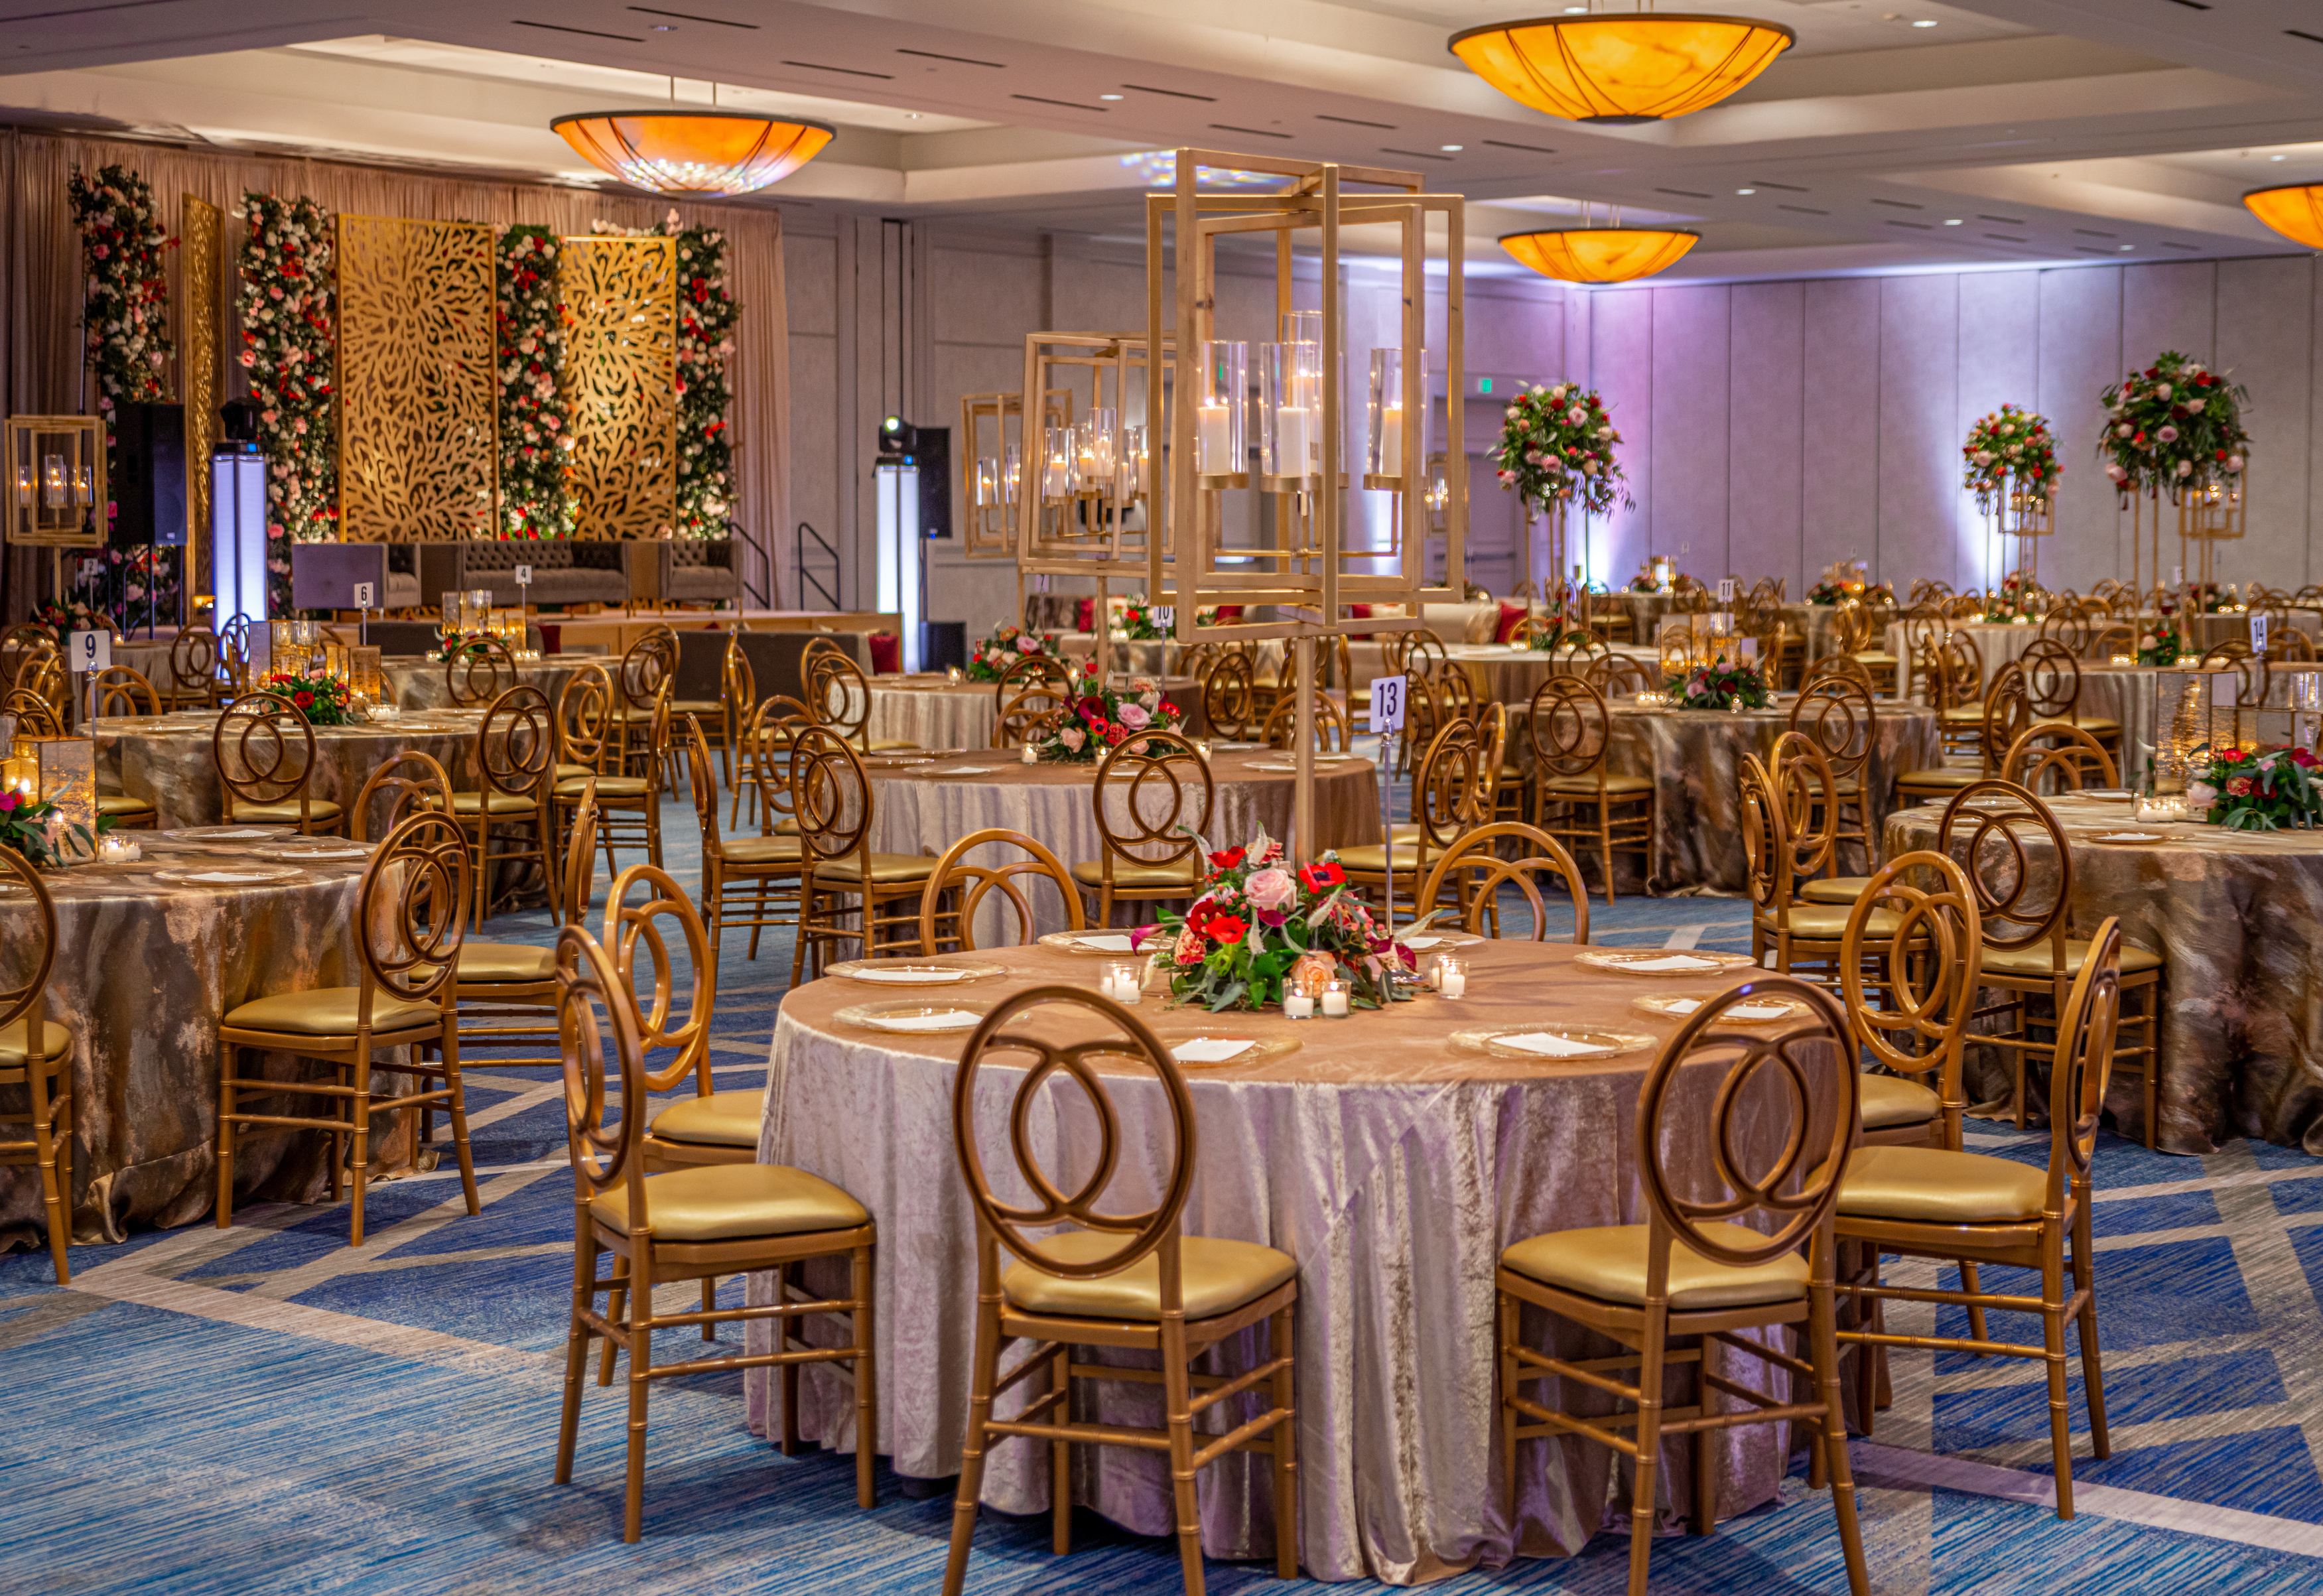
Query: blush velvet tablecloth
(168, 759)
(1696, 758)
(924, 807)
(1392, 1165)
(143, 970)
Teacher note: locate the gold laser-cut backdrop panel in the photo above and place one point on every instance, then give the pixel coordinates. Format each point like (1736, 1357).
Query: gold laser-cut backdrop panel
(621, 380)
(202, 225)
(417, 388)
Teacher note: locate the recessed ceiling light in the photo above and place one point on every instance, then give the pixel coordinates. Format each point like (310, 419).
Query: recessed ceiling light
(911, 115)
(1577, 11)
(1109, 96)
(1452, 149)
(2278, 158)
(1746, 191)
(1952, 221)
(2129, 246)
(1926, 21)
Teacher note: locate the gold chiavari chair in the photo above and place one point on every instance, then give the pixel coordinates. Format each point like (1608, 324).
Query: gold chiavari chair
(1692, 1273)
(1033, 711)
(590, 756)
(1418, 652)
(1854, 633)
(639, 684)
(1449, 788)
(1965, 607)
(2025, 913)
(21, 647)
(2113, 640)
(737, 703)
(1840, 667)
(1130, 1280)
(1339, 680)
(264, 753)
(45, 678)
(411, 919)
(745, 880)
(408, 783)
(2007, 715)
(1576, 654)
(1331, 732)
(1958, 693)
(1150, 844)
(685, 1224)
(1230, 696)
(1618, 675)
(234, 657)
(2251, 674)
(1968, 1208)
(2060, 750)
(514, 751)
(36, 1054)
(194, 669)
(1798, 931)
(835, 806)
(1808, 791)
(839, 694)
(1910, 992)
(1575, 798)
(958, 887)
(123, 690)
(1471, 871)
(2066, 625)
(32, 714)
(2052, 689)
(1843, 718)
(2288, 645)
(479, 672)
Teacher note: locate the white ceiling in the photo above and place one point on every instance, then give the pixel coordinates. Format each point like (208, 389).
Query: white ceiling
(1894, 135)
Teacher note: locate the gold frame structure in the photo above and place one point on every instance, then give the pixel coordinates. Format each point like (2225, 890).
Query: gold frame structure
(620, 369)
(1106, 545)
(202, 226)
(2219, 512)
(418, 379)
(2022, 514)
(992, 527)
(78, 441)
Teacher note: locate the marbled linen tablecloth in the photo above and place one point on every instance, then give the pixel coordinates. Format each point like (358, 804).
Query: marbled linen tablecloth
(1696, 758)
(2239, 917)
(170, 760)
(143, 971)
(1393, 1166)
(930, 713)
(418, 683)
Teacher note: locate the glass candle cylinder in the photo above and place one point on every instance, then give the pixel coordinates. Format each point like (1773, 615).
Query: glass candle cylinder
(476, 614)
(1336, 1000)
(1057, 463)
(1384, 457)
(1012, 474)
(1285, 422)
(1451, 974)
(1124, 981)
(1219, 447)
(52, 480)
(988, 481)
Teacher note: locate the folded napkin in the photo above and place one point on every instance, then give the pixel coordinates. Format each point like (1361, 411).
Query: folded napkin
(1420, 942)
(949, 1020)
(1675, 961)
(228, 877)
(1740, 1011)
(1551, 1047)
(967, 770)
(1105, 943)
(920, 978)
(1205, 1049)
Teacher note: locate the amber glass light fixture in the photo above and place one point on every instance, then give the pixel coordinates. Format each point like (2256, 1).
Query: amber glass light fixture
(1621, 67)
(1600, 254)
(2295, 211)
(687, 150)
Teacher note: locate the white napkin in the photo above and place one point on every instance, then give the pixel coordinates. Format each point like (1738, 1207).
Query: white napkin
(964, 770)
(922, 977)
(229, 877)
(1675, 961)
(949, 1020)
(2130, 836)
(246, 833)
(1740, 1011)
(1205, 1049)
(1106, 943)
(1551, 1047)
(1420, 942)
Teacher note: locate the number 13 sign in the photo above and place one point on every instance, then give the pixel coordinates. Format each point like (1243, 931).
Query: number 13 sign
(1387, 704)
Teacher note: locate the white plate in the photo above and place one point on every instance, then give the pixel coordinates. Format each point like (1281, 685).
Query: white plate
(228, 833)
(1756, 1011)
(1551, 1042)
(912, 1018)
(1664, 962)
(336, 851)
(230, 876)
(898, 972)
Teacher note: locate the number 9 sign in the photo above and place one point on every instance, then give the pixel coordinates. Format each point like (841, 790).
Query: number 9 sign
(89, 651)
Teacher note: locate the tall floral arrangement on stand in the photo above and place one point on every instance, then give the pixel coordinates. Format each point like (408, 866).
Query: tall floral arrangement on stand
(2172, 427)
(531, 322)
(289, 311)
(1557, 447)
(2011, 450)
(706, 315)
(126, 312)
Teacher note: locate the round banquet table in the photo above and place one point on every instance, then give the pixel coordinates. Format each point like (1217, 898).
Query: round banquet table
(924, 805)
(143, 970)
(1696, 758)
(930, 712)
(1503, 674)
(1392, 1164)
(168, 759)
(415, 681)
(2239, 917)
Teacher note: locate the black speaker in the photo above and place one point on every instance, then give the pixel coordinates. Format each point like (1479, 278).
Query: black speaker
(149, 479)
(932, 454)
(943, 643)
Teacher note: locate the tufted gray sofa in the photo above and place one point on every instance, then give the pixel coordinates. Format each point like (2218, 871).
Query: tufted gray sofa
(564, 570)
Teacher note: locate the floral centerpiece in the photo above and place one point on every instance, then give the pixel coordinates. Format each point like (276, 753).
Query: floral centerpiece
(322, 701)
(1719, 686)
(1827, 591)
(2012, 601)
(2172, 427)
(69, 616)
(2162, 644)
(2010, 451)
(2258, 789)
(1004, 647)
(1556, 447)
(1094, 723)
(1256, 919)
(24, 828)
(1138, 623)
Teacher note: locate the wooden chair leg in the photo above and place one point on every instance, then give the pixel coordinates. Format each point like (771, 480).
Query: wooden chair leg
(1282, 1341)
(1061, 1455)
(1642, 1515)
(361, 1170)
(861, 1284)
(1177, 1398)
(2086, 1321)
(785, 1287)
(616, 1304)
(1511, 1375)
(576, 1348)
(2052, 1345)
(55, 1195)
(640, 1340)
(457, 1110)
(1823, 1332)
(1705, 1449)
(984, 1374)
(226, 1106)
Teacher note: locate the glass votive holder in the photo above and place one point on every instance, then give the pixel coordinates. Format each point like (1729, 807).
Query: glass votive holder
(952, 677)
(116, 849)
(1451, 976)
(1124, 981)
(1032, 752)
(2122, 659)
(1336, 1000)
(1297, 1004)
(1202, 747)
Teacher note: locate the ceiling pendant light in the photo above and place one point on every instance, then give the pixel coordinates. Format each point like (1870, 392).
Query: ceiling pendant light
(689, 149)
(1600, 254)
(1621, 67)
(2295, 211)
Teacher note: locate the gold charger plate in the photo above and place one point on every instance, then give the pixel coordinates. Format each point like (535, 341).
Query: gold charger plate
(1072, 942)
(910, 973)
(333, 851)
(2129, 838)
(1642, 961)
(899, 1019)
(1683, 1008)
(1589, 1042)
(231, 875)
(898, 761)
(1256, 1049)
(229, 833)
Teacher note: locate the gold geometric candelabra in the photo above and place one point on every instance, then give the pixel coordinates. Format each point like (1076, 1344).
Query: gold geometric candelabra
(2215, 513)
(1081, 509)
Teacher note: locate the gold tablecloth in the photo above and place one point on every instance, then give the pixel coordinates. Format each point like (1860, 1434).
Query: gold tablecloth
(1393, 1166)
(418, 683)
(170, 760)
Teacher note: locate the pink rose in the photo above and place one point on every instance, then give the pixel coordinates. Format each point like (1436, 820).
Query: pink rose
(1072, 737)
(1269, 890)
(1134, 716)
(1028, 644)
(2168, 434)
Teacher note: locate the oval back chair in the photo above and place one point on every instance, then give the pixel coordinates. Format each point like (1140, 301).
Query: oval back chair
(263, 750)
(1473, 871)
(958, 887)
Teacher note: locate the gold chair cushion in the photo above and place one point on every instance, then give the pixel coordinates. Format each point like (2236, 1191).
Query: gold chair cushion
(722, 1119)
(505, 961)
(1371, 857)
(1138, 877)
(1890, 1100)
(284, 809)
(608, 787)
(1934, 1185)
(329, 1010)
(1827, 923)
(574, 772)
(122, 803)
(1608, 1262)
(2039, 958)
(16, 1041)
(704, 707)
(2097, 726)
(502, 803)
(760, 850)
(887, 869)
(728, 1202)
(1587, 784)
(1963, 715)
(1944, 778)
(1835, 889)
(1215, 1277)
(893, 745)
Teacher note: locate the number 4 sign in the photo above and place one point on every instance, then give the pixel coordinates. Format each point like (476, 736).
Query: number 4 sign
(1387, 704)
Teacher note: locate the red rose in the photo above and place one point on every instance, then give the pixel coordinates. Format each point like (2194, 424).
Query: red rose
(303, 700)
(1224, 928)
(1229, 859)
(1322, 877)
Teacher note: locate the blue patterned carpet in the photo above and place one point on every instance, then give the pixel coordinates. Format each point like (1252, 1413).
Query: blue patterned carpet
(263, 1410)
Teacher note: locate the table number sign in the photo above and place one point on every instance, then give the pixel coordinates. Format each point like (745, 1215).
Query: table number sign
(524, 576)
(2258, 633)
(1388, 703)
(363, 595)
(89, 651)
(1726, 589)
